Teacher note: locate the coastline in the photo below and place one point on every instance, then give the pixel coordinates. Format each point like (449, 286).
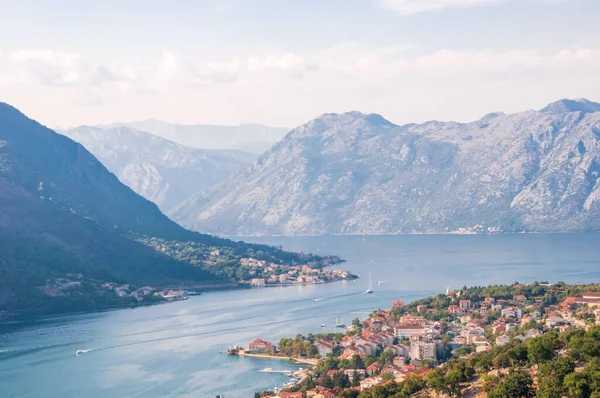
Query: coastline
(306, 361)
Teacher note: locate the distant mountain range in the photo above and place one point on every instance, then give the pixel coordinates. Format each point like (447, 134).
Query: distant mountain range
(251, 138)
(160, 170)
(355, 173)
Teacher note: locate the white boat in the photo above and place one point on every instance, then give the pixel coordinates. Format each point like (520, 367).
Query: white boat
(339, 324)
(323, 325)
(370, 289)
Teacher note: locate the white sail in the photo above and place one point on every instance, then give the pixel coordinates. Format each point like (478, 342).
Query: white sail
(370, 289)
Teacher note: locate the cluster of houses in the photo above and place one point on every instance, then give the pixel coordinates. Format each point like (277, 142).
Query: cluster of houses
(56, 287)
(72, 283)
(274, 274)
(127, 290)
(412, 339)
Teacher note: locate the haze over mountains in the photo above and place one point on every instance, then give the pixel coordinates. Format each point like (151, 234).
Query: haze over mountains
(252, 138)
(160, 170)
(354, 173)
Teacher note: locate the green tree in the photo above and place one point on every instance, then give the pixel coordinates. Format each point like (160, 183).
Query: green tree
(539, 351)
(518, 384)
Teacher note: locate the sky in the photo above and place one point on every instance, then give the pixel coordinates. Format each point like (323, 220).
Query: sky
(284, 62)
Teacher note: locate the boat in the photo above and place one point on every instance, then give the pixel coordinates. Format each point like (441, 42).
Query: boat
(79, 352)
(339, 324)
(323, 325)
(370, 289)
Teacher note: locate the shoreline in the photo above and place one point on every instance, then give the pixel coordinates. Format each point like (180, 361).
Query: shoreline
(305, 361)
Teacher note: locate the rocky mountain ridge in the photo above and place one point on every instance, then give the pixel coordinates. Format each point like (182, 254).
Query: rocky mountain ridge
(354, 173)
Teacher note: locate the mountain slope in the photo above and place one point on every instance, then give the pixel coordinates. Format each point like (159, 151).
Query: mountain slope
(160, 170)
(359, 174)
(252, 138)
(69, 228)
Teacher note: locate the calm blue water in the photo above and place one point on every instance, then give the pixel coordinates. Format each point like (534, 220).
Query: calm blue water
(175, 350)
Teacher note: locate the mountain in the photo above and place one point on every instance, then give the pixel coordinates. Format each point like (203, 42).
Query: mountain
(160, 170)
(353, 173)
(69, 228)
(252, 138)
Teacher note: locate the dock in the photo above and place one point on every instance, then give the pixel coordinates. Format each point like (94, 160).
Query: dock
(269, 370)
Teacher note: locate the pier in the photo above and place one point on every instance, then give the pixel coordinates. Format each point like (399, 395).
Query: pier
(270, 370)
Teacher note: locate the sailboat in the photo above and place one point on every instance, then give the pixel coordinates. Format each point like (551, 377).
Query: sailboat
(338, 324)
(370, 289)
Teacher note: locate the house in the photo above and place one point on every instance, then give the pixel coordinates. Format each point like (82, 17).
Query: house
(360, 372)
(373, 368)
(520, 298)
(512, 312)
(502, 340)
(554, 320)
(320, 392)
(533, 333)
(397, 303)
(291, 395)
(465, 304)
(404, 331)
(258, 345)
(325, 348)
(370, 382)
(258, 282)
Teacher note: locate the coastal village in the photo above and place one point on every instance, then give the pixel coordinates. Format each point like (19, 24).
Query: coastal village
(270, 274)
(409, 341)
(260, 273)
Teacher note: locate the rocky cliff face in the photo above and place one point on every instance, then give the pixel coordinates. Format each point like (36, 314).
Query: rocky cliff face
(160, 170)
(360, 174)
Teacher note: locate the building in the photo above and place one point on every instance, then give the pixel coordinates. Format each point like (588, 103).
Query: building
(404, 331)
(465, 304)
(421, 350)
(512, 312)
(502, 340)
(291, 395)
(258, 345)
(397, 303)
(370, 382)
(325, 348)
(258, 282)
(373, 369)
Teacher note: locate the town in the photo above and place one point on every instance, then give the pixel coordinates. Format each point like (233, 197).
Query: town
(263, 273)
(409, 345)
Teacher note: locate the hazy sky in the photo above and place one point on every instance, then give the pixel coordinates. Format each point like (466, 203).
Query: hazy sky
(283, 62)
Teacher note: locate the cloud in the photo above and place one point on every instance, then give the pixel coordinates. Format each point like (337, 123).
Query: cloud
(346, 76)
(176, 69)
(292, 64)
(51, 68)
(406, 7)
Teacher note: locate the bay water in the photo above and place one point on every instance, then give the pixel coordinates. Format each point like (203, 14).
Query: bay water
(177, 349)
